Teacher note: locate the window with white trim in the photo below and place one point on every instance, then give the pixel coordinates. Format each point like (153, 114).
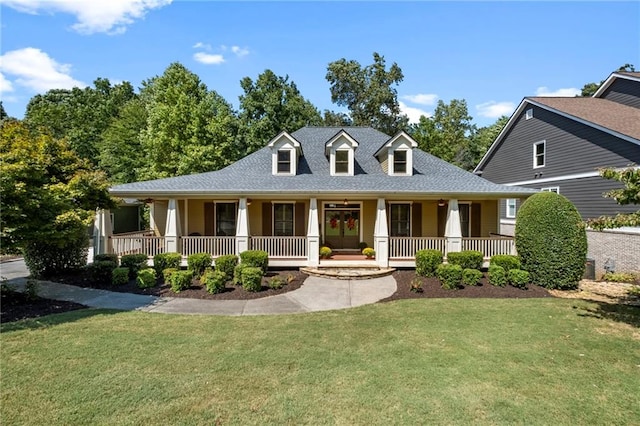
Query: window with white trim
(283, 219)
(400, 220)
(284, 161)
(400, 162)
(225, 219)
(555, 189)
(539, 154)
(342, 162)
(511, 208)
(528, 114)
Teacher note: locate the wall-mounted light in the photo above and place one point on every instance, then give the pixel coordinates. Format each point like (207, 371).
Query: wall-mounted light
(346, 202)
(441, 202)
(248, 201)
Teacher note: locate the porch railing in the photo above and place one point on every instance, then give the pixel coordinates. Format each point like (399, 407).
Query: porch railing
(406, 247)
(490, 246)
(137, 244)
(286, 247)
(216, 246)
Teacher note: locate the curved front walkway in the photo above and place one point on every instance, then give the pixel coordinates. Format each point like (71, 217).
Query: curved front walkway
(315, 294)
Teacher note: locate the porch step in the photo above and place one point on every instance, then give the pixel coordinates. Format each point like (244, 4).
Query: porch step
(348, 272)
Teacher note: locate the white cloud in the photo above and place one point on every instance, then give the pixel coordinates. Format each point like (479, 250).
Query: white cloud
(569, 92)
(35, 70)
(413, 113)
(208, 58)
(5, 85)
(422, 98)
(240, 51)
(201, 45)
(493, 109)
(109, 16)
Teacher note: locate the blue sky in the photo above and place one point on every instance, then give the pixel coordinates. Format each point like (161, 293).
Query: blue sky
(490, 53)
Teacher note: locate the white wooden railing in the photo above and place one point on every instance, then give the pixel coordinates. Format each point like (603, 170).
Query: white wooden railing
(406, 247)
(216, 246)
(490, 246)
(287, 247)
(128, 244)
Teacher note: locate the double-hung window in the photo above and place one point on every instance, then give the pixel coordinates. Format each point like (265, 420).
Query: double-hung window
(511, 208)
(539, 154)
(342, 162)
(400, 220)
(226, 219)
(400, 162)
(283, 219)
(284, 161)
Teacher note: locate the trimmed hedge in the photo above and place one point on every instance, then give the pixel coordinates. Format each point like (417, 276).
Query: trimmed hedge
(167, 273)
(101, 271)
(471, 276)
(497, 276)
(237, 273)
(198, 263)
(120, 276)
(146, 278)
(449, 275)
(551, 241)
(227, 264)
(164, 261)
(255, 258)
(507, 261)
(46, 258)
(134, 262)
(214, 281)
(427, 262)
(181, 280)
(467, 259)
(106, 256)
(252, 278)
(518, 278)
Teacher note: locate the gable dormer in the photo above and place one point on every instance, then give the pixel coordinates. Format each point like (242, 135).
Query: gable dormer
(341, 150)
(285, 153)
(396, 155)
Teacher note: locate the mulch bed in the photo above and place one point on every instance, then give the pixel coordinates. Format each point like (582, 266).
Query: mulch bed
(17, 306)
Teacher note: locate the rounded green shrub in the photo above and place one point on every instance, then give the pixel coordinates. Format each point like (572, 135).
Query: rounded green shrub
(551, 241)
(46, 258)
(518, 278)
(467, 259)
(227, 264)
(237, 274)
(146, 278)
(507, 261)
(164, 261)
(276, 282)
(106, 256)
(101, 271)
(256, 259)
(497, 276)
(369, 252)
(198, 263)
(120, 276)
(427, 262)
(181, 280)
(167, 273)
(471, 276)
(449, 275)
(252, 278)
(214, 281)
(134, 262)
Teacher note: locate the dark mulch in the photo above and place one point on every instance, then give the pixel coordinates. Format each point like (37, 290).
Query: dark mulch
(17, 306)
(432, 289)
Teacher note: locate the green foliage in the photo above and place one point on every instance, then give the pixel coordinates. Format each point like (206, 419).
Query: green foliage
(256, 258)
(325, 252)
(181, 280)
(227, 264)
(368, 93)
(551, 241)
(416, 285)
(168, 273)
(628, 194)
(106, 256)
(214, 281)
(518, 278)
(369, 252)
(146, 278)
(276, 282)
(252, 278)
(31, 288)
(427, 261)
(44, 258)
(471, 276)
(507, 261)
(120, 276)
(497, 276)
(162, 261)
(449, 275)
(619, 277)
(101, 271)
(198, 262)
(237, 273)
(134, 262)
(468, 259)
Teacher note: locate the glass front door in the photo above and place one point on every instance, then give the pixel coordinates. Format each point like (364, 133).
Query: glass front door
(342, 228)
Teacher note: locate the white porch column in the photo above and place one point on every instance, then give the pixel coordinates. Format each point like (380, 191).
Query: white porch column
(102, 232)
(381, 235)
(453, 230)
(313, 234)
(152, 218)
(242, 227)
(172, 229)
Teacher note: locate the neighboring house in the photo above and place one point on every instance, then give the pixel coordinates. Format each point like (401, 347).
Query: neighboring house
(558, 144)
(334, 186)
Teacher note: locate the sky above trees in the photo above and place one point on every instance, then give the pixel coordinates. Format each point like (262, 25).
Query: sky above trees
(490, 54)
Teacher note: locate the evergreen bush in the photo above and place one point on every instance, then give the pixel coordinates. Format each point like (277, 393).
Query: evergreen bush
(497, 276)
(518, 278)
(467, 259)
(167, 260)
(449, 275)
(237, 274)
(252, 278)
(146, 278)
(44, 258)
(427, 262)
(120, 276)
(214, 281)
(227, 264)
(101, 271)
(471, 276)
(134, 262)
(255, 258)
(198, 263)
(167, 273)
(507, 261)
(181, 280)
(106, 256)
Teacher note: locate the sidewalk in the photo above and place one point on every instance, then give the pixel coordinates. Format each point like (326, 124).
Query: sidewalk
(316, 294)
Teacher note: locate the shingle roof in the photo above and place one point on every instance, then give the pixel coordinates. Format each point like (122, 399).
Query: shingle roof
(612, 115)
(253, 174)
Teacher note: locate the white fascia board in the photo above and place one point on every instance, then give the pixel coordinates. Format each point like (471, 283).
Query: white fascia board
(274, 142)
(614, 75)
(563, 178)
(393, 139)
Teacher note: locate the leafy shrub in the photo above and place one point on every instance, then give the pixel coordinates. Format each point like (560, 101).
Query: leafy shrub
(101, 271)
(134, 262)
(252, 278)
(237, 274)
(551, 240)
(146, 278)
(507, 261)
(325, 252)
(416, 285)
(497, 276)
(198, 263)
(369, 252)
(227, 264)
(120, 276)
(106, 256)
(214, 281)
(619, 277)
(181, 280)
(44, 258)
(427, 262)
(276, 282)
(31, 288)
(471, 276)
(362, 245)
(256, 259)
(164, 261)
(449, 275)
(518, 278)
(167, 273)
(467, 259)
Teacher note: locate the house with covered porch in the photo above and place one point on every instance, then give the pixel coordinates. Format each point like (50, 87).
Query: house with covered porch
(341, 187)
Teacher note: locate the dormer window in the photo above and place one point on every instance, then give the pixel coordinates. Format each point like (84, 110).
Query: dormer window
(284, 161)
(400, 162)
(342, 162)
(285, 153)
(396, 155)
(340, 150)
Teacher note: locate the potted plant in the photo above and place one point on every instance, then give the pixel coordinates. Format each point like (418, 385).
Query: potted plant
(369, 252)
(325, 252)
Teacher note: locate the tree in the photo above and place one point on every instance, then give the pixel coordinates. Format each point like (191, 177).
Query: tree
(628, 194)
(270, 105)
(3, 113)
(49, 197)
(336, 119)
(590, 89)
(368, 93)
(480, 142)
(189, 128)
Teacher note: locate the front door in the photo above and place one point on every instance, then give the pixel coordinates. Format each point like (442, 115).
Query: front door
(342, 228)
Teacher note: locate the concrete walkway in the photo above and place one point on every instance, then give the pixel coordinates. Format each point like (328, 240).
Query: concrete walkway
(316, 294)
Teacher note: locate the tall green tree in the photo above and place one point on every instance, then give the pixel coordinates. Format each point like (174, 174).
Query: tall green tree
(336, 119)
(189, 128)
(368, 92)
(590, 89)
(270, 105)
(628, 194)
(480, 141)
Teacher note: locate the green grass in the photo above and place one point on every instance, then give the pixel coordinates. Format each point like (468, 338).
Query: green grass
(439, 361)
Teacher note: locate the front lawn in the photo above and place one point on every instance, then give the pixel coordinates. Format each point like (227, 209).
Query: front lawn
(446, 361)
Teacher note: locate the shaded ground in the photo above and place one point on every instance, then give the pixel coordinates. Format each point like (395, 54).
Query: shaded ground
(16, 306)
